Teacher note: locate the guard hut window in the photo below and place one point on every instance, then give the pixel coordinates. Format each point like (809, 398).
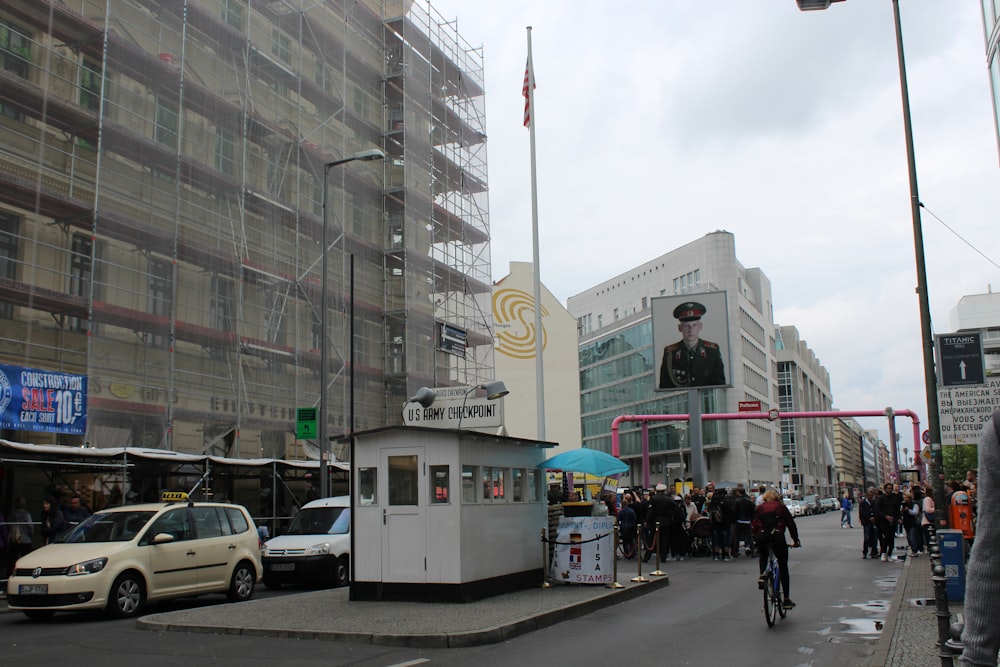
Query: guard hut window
(403, 480)
(469, 475)
(517, 484)
(367, 478)
(440, 485)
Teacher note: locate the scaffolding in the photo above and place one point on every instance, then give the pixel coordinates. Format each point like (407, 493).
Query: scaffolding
(161, 208)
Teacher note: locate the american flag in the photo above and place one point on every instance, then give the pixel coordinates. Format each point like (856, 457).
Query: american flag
(529, 80)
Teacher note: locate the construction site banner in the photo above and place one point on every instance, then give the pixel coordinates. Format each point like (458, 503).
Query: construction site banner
(38, 400)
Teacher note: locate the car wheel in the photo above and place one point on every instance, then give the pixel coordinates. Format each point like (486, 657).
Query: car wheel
(342, 571)
(39, 614)
(128, 594)
(243, 581)
(273, 583)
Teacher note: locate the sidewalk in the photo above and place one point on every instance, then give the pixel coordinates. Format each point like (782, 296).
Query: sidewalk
(910, 634)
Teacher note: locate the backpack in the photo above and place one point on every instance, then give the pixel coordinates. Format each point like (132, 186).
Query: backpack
(769, 522)
(716, 512)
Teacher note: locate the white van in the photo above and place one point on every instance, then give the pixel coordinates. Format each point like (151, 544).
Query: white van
(316, 548)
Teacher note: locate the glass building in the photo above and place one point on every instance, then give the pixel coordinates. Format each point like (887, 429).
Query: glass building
(162, 210)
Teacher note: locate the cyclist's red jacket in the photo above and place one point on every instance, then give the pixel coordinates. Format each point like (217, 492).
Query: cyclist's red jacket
(785, 520)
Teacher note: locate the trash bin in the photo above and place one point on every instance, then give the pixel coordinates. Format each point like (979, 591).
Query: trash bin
(952, 544)
(960, 514)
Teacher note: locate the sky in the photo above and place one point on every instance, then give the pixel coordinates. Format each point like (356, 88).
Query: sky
(659, 121)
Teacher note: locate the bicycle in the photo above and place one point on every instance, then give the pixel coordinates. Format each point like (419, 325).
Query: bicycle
(773, 603)
(773, 606)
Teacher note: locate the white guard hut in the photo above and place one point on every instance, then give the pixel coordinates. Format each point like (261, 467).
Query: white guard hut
(446, 515)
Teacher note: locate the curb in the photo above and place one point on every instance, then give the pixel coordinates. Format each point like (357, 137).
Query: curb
(880, 657)
(478, 637)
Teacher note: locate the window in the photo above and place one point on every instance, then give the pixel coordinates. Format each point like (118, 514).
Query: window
(281, 45)
(90, 85)
(165, 131)
(494, 489)
(532, 484)
(232, 13)
(8, 256)
(367, 487)
(158, 299)
(15, 57)
(223, 298)
(403, 479)
(440, 485)
(175, 522)
(206, 522)
(237, 520)
(80, 274)
(469, 474)
(225, 152)
(517, 483)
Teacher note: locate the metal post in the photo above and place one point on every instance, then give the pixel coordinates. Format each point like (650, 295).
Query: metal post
(943, 614)
(656, 541)
(614, 580)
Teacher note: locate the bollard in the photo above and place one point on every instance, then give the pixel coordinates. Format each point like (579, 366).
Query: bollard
(954, 643)
(943, 615)
(614, 580)
(546, 559)
(638, 561)
(656, 541)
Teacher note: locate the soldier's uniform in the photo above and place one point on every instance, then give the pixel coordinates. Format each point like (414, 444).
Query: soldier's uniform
(698, 366)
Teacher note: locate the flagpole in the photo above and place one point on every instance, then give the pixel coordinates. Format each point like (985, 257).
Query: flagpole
(539, 332)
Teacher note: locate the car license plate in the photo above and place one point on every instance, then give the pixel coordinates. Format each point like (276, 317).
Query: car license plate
(282, 567)
(33, 589)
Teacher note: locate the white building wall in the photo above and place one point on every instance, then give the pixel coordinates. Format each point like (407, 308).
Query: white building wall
(514, 322)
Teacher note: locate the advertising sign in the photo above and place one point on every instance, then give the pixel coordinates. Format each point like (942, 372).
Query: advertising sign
(585, 550)
(38, 400)
(960, 359)
(691, 341)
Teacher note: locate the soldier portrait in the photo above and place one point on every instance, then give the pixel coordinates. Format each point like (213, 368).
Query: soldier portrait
(692, 361)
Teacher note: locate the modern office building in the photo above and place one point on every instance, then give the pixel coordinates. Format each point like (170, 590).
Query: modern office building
(807, 451)
(618, 365)
(991, 30)
(163, 203)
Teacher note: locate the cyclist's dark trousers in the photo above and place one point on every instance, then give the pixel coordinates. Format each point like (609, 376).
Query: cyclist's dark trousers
(781, 553)
(887, 535)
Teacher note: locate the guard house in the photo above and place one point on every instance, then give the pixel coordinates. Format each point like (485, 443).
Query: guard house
(446, 515)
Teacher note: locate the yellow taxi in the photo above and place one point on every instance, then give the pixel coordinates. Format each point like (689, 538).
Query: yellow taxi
(121, 558)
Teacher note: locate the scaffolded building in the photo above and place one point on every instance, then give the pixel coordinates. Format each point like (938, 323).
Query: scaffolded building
(161, 208)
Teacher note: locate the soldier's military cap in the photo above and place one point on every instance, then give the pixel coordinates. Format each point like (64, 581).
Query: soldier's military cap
(689, 311)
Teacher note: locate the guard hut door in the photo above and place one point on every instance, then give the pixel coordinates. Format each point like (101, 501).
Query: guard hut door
(404, 543)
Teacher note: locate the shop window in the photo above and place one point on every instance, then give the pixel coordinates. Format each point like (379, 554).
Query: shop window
(440, 484)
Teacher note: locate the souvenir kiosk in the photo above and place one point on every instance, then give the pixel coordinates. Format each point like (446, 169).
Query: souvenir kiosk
(446, 515)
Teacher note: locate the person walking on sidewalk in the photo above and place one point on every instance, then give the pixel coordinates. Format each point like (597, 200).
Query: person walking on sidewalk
(886, 518)
(981, 635)
(845, 511)
(866, 517)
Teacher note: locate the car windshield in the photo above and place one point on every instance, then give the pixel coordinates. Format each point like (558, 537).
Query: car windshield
(107, 527)
(320, 520)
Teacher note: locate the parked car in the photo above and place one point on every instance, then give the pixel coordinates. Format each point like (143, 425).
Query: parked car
(122, 558)
(812, 504)
(316, 548)
(794, 506)
(831, 504)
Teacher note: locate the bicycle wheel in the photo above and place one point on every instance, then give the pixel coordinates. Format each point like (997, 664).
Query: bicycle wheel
(778, 599)
(771, 603)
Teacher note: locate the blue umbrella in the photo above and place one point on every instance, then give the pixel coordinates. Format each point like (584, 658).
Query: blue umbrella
(589, 461)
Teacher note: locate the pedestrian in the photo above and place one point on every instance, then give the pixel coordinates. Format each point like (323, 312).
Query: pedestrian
(981, 634)
(866, 517)
(659, 516)
(19, 532)
(53, 521)
(845, 511)
(627, 526)
(927, 517)
(720, 513)
(887, 518)
(910, 512)
(75, 512)
(743, 509)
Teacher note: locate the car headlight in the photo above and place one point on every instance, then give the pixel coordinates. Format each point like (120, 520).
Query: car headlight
(319, 549)
(87, 567)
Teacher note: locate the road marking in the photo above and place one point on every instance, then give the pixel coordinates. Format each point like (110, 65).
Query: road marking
(410, 663)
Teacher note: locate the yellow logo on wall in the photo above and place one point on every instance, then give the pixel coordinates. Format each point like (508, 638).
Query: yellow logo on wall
(514, 317)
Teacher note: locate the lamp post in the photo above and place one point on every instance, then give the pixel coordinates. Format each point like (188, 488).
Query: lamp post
(324, 362)
(494, 390)
(927, 339)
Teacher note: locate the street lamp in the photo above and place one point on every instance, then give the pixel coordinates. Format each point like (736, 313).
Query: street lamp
(494, 390)
(927, 339)
(324, 363)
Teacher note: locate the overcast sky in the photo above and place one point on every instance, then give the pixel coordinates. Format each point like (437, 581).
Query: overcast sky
(659, 121)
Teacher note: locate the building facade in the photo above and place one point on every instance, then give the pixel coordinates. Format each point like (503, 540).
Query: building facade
(808, 461)
(991, 30)
(618, 366)
(163, 203)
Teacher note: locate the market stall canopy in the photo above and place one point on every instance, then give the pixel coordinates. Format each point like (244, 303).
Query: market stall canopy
(585, 460)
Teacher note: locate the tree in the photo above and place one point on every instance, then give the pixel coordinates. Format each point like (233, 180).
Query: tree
(958, 459)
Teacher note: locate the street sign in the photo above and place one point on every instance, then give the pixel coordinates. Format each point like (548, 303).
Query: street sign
(965, 411)
(749, 406)
(926, 437)
(305, 423)
(926, 453)
(961, 359)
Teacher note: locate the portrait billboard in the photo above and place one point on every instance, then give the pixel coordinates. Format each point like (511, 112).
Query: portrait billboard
(691, 341)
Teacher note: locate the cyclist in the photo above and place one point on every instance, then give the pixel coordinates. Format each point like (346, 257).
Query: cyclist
(770, 520)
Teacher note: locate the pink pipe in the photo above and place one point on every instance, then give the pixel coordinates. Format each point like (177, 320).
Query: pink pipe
(774, 415)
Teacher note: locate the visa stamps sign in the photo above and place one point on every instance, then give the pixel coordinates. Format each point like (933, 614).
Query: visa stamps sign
(39, 400)
(964, 411)
(585, 550)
